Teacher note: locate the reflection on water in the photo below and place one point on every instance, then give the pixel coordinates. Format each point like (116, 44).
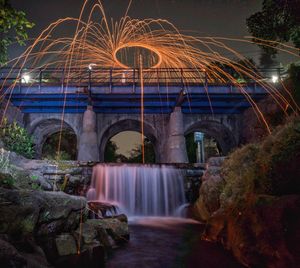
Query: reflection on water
(169, 242)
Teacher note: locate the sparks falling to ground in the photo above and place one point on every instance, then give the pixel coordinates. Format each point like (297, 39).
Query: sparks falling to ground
(149, 45)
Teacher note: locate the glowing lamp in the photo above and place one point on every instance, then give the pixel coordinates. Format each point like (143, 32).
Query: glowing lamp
(275, 79)
(25, 78)
(91, 66)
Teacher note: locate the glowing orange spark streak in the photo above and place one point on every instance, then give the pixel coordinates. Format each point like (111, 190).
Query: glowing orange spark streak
(142, 108)
(99, 42)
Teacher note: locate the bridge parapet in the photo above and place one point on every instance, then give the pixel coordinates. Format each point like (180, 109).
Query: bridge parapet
(48, 77)
(119, 91)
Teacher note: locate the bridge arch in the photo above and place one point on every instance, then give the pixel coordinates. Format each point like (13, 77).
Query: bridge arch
(216, 130)
(127, 125)
(44, 128)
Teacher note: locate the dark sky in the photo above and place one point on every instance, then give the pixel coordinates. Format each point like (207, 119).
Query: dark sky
(224, 18)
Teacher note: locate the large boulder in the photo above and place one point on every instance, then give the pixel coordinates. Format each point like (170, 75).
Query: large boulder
(115, 227)
(210, 190)
(93, 239)
(44, 174)
(66, 244)
(265, 234)
(29, 211)
(9, 256)
(54, 225)
(252, 204)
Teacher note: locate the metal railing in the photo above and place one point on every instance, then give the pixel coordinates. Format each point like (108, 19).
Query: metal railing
(115, 76)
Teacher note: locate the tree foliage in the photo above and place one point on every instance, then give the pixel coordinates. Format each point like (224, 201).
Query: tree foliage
(279, 20)
(294, 80)
(136, 153)
(191, 148)
(13, 28)
(16, 139)
(110, 154)
(68, 146)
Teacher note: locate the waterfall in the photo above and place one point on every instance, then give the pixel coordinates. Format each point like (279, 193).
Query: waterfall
(139, 190)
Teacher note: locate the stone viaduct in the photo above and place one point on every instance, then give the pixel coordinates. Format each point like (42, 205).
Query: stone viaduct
(95, 112)
(166, 132)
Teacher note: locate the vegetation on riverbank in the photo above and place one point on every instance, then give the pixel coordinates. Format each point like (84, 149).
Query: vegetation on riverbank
(258, 200)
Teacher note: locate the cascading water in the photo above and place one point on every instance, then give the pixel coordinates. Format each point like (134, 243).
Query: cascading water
(139, 190)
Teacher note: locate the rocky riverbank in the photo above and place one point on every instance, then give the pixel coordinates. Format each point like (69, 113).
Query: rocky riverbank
(42, 229)
(51, 228)
(251, 200)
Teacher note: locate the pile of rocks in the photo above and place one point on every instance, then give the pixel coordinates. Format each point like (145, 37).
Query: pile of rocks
(67, 176)
(250, 201)
(42, 229)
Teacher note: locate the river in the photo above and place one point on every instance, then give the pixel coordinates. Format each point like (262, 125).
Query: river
(169, 242)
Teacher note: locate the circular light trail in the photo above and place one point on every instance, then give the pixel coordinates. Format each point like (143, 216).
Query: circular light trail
(137, 45)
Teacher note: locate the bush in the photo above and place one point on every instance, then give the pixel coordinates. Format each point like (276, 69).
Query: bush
(270, 167)
(16, 139)
(6, 171)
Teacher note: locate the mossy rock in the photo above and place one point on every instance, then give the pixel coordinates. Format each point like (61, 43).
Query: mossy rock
(6, 181)
(260, 205)
(271, 167)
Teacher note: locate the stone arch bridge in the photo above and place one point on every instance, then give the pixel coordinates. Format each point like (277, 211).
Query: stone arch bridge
(100, 104)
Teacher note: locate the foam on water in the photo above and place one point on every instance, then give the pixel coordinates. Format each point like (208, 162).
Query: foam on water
(139, 190)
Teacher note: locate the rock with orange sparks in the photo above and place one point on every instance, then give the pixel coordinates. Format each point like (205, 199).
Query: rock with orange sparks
(259, 201)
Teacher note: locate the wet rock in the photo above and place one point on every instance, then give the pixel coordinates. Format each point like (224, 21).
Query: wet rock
(92, 256)
(10, 257)
(20, 212)
(210, 190)
(87, 233)
(258, 217)
(45, 174)
(36, 258)
(265, 235)
(116, 229)
(104, 229)
(194, 172)
(215, 161)
(121, 218)
(27, 211)
(61, 213)
(66, 244)
(100, 209)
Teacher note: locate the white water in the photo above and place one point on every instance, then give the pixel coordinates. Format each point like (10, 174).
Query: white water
(139, 190)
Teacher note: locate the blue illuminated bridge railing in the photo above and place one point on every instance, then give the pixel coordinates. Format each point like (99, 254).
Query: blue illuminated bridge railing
(119, 90)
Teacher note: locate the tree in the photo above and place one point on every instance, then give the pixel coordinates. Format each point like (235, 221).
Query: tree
(16, 138)
(279, 20)
(191, 147)
(136, 153)
(13, 28)
(293, 82)
(110, 154)
(68, 149)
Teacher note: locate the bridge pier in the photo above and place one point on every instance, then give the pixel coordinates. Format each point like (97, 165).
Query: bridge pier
(88, 141)
(176, 146)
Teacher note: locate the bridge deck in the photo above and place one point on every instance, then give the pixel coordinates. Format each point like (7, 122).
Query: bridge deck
(228, 100)
(120, 95)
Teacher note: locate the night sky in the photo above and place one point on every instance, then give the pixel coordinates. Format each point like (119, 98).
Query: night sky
(226, 18)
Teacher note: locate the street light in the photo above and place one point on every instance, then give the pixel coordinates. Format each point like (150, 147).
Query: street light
(91, 66)
(25, 78)
(275, 79)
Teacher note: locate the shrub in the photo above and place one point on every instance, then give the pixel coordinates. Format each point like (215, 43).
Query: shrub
(16, 139)
(6, 171)
(270, 167)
